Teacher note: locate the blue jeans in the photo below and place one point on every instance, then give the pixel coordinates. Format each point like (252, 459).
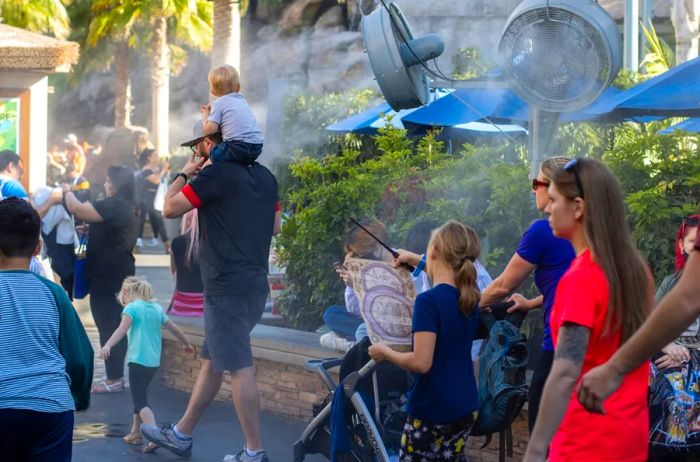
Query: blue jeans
(235, 150)
(342, 322)
(36, 436)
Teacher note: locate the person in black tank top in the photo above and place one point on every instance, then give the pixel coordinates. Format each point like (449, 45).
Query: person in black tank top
(188, 297)
(147, 181)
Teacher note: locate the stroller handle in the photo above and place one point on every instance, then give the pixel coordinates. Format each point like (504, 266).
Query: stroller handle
(350, 382)
(321, 367)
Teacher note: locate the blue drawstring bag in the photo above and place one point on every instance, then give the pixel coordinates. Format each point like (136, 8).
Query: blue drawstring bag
(81, 282)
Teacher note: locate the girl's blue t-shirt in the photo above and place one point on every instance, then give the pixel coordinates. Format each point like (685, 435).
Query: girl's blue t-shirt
(552, 256)
(447, 392)
(145, 336)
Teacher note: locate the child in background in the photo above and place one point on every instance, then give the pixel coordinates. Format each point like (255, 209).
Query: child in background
(142, 318)
(443, 400)
(231, 115)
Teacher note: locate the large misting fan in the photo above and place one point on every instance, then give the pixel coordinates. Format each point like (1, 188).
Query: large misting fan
(558, 55)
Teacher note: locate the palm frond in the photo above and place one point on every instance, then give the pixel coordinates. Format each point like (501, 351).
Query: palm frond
(658, 55)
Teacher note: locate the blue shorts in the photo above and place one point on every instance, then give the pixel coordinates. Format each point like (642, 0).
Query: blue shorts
(36, 436)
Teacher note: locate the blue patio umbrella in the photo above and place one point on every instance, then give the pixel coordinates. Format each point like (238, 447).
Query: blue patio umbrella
(361, 123)
(467, 105)
(675, 93)
(481, 129)
(499, 105)
(369, 121)
(690, 125)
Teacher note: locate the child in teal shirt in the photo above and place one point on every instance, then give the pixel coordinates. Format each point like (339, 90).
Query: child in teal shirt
(142, 319)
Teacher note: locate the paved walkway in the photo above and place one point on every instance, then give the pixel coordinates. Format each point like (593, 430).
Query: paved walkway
(99, 431)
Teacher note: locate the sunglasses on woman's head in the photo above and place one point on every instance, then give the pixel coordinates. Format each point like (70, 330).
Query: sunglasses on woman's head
(571, 166)
(537, 183)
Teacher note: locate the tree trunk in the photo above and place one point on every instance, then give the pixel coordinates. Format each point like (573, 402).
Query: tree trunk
(122, 87)
(227, 34)
(160, 86)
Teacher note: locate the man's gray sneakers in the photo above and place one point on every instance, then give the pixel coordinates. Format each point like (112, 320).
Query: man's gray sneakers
(244, 457)
(165, 437)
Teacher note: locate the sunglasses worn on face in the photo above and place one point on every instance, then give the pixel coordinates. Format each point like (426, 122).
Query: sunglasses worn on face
(571, 166)
(690, 222)
(537, 183)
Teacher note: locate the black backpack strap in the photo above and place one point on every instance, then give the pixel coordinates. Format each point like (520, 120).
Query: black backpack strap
(487, 319)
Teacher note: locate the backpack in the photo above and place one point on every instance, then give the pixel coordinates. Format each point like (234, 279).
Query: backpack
(503, 389)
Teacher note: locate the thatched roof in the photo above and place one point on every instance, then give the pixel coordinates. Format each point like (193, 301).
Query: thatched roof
(616, 8)
(24, 50)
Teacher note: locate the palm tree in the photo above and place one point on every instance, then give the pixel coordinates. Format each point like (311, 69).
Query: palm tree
(227, 32)
(154, 28)
(190, 22)
(45, 16)
(109, 38)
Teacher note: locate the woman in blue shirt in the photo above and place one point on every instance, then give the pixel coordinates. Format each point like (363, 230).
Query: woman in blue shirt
(549, 257)
(443, 398)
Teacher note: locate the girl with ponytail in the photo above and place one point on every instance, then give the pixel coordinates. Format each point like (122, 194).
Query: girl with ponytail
(443, 399)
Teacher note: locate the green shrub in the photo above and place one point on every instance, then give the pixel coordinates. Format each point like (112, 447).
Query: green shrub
(660, 175)
(403, 180)
(328, 192)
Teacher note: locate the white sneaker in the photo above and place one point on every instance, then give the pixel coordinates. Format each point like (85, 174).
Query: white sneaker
(139, 243)
(334, 342)
(153, 242)
(244, 457)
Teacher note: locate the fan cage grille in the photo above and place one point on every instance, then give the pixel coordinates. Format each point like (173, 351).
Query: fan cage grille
(555, 59)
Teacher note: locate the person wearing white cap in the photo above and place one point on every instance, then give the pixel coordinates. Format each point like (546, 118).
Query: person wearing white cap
(75, 155)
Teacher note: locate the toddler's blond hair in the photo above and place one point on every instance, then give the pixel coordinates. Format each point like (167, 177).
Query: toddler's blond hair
(224, 80)
(135, 287)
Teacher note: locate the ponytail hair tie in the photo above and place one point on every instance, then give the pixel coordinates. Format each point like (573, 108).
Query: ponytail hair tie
(464, 260)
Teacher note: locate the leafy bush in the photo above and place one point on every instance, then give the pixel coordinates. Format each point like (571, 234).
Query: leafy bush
(328, 192)
(402, 183)
(660, 175)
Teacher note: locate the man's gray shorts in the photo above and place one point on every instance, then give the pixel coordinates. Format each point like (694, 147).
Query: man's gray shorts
(228, 321)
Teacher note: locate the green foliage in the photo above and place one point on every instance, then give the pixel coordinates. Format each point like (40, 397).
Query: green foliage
(660, 175)
(99, 24)
(330, 191)
(44, 16)
(307, 116)
(486, 188)
(659, 57)
(304, 129)
(401, 183)
(467, 64)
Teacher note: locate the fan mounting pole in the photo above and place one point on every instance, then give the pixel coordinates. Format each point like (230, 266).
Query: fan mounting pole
(541, 143)
(631, 54)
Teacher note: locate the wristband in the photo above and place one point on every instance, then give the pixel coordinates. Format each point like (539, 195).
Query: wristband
(181, 174)
(420, 267)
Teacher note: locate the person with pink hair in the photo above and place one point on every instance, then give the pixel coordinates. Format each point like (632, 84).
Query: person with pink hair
(188, 297)
(672, 401)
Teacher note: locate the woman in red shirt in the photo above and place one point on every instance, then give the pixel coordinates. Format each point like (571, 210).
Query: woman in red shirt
(601, 301)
